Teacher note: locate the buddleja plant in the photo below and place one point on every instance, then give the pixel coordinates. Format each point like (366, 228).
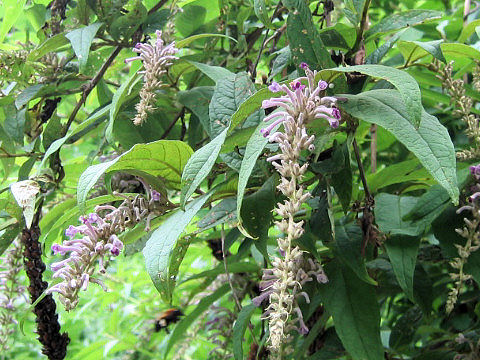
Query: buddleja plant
(257, 179)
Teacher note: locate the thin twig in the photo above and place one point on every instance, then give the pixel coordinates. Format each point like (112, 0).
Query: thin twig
(8, 155)
(172, 124)
(373, 148)
(361, 29)
(368, 195)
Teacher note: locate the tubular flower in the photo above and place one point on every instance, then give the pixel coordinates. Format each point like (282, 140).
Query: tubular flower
(98, 240)
(282, 284)
(472, 234)
(156, 59)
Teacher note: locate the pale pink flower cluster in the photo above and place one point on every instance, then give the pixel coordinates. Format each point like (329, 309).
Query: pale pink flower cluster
(282, 285)
(156, 60)
(97, 242)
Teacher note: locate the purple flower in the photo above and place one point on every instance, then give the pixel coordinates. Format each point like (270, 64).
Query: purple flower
(274, 87)
(155, 195)
(72, 231)
(322, 85)
(297, 85)
(304, 66)
(336, 113)
(475, 170)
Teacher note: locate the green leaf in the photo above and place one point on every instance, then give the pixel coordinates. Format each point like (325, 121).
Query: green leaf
(402, 251)
(184, 42)
(256, 211)
(401, 20)
(14, 122)
(261, 11)
(239, 329)
(228, 95)
(215, 73)
(404, 82)
(376, 56)
(405, 328)
(164, 159)
(355, 312)
(305, 42)
(81, 39)
(221, 213)
(199, 166)
(390, 211)
(402, 172)
(57, 144)
(430, 143)
(454, 50)
(28, 94)
(198, 101)
(254, 148)
(119, 98)
(49, 45)
(415, 50)
(12, 9)
(181, 329)
(158, 249)
(8, 234)
(7, 145)
(468, 30)
(348, 243)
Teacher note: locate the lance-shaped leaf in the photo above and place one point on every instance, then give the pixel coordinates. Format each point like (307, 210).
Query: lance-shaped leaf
(159, 247)
(199, 166)
(355, 312)
(406, 85)
(430, 143)
(81, 39)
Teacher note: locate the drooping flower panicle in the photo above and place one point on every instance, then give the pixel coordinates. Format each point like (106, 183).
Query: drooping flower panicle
(156, 60)
(281, 285)
(97, 241)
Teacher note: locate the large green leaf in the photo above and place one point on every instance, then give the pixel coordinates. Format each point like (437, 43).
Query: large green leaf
(164, 159)
(254, 148)
(305, 42)
(390, 211)
(355, 312)
(468, 30)
(181, 329)
(402, 20)
(81, 39)
(198, 101)
(348, 246)
(227, 96)
(199, 166)
(430, 142)
(402, 251)
(159, 247)
(404, 82)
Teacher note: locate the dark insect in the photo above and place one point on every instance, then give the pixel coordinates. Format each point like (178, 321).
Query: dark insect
(166, 318)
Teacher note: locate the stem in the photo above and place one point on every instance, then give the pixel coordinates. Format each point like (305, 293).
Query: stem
(373, 148)
(172, 124)
(8, 155)
(368, 195)
(361, 29)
